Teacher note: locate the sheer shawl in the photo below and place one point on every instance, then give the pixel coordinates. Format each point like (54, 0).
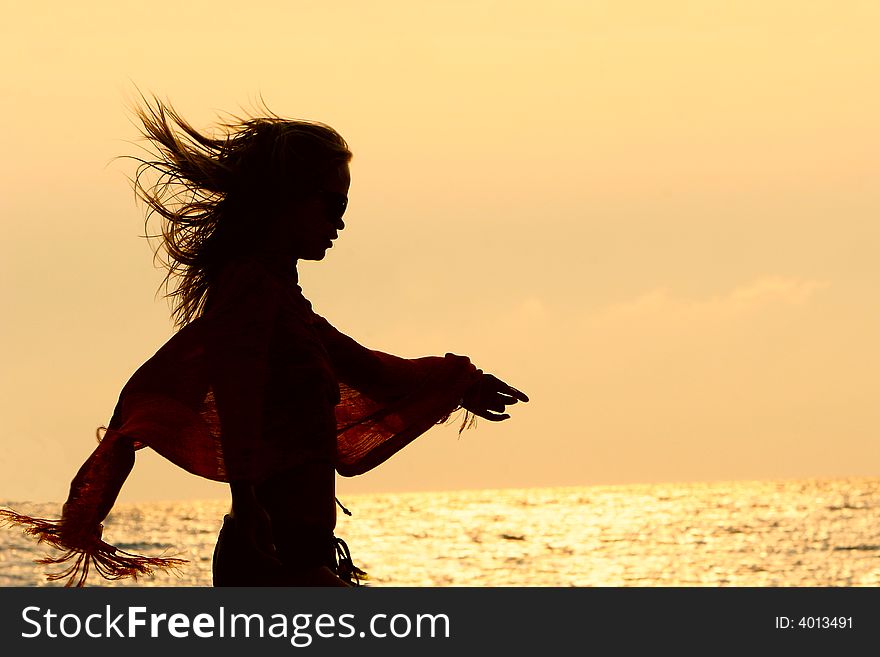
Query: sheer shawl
(256, 385)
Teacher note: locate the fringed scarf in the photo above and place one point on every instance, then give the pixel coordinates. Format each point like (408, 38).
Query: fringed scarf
(258, 384)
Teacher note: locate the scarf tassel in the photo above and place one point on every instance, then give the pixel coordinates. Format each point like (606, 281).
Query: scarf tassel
(345, 568)
(109, 561)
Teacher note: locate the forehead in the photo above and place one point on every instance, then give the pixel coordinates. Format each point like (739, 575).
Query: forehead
(339, 179)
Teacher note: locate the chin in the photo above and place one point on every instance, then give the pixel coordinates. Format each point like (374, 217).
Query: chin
(315, 255)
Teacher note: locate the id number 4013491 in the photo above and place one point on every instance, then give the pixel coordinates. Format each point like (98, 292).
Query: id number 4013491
(814, 623)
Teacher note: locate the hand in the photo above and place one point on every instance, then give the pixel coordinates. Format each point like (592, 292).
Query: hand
(487, 398)
(255, 530)
(253, 524)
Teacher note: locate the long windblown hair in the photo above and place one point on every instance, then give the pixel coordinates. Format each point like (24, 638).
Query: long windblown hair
(214, 195)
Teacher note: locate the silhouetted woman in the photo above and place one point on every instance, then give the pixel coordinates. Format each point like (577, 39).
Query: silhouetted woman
(256, 389)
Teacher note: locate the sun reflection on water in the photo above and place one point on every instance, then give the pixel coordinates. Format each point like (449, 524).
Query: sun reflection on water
(776, 533)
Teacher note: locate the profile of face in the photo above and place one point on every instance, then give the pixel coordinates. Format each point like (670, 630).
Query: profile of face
(308, 226)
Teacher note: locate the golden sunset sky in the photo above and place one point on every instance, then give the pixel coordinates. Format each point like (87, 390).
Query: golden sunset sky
(659, 218)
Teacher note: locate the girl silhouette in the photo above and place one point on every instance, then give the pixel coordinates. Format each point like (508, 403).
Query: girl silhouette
(255, 388)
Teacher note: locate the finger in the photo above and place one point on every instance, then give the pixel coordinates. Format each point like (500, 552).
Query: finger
(269, 558)
(521, 396)
(495, 401)
(492, 417)
(491, 402)
(496, 405)
(495, 398)
(507, 399)
(501, 387)
(266, 554)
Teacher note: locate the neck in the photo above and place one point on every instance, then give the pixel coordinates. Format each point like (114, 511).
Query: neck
(282, 264)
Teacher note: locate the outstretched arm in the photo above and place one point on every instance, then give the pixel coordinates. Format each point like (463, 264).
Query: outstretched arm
(370, 371)
(387, 401)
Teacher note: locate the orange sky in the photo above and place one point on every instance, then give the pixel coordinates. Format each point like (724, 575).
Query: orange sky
(659, 219)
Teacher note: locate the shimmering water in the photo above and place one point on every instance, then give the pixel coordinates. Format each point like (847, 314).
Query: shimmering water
(776, 533)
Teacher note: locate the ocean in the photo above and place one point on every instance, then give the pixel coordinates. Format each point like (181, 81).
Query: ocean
(764, 533)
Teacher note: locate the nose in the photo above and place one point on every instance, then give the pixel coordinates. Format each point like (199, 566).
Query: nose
(338, 223)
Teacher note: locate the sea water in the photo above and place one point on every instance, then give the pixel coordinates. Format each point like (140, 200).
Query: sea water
(771, 533)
